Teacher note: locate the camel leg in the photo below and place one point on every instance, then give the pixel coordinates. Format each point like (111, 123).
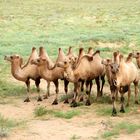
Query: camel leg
(28, 90)
(129, 93)
(103, 82)
(136, 92)
(122, 103)
(114, 91)
(37, 82)
(82, 90)
(55, 102)
(88, 91)
(48, 90)
(76, 88)
(98, 87)
(66, 82)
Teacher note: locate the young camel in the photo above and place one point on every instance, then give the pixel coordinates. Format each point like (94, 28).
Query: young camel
(123, 74)
(26, 72)
(88, 68)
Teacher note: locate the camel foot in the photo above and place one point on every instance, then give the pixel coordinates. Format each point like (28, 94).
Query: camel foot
(114, 112)
(74, 104)
(55, 102)
(27, 99)
(39, 99)
(136, 102)
(66, 101)
(81, 99)
(88, 102)
(45, 97)
(122, 110)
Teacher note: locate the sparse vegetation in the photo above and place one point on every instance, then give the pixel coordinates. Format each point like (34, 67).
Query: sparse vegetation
(122, 127)
(75, 137)
(7, 124)
(40, 111)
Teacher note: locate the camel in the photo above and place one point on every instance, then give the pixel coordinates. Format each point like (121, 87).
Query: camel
(26, 72)
(88, 68)
(123, 74)
(51, 75)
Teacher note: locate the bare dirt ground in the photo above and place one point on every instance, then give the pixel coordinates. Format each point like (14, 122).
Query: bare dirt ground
(86, 126)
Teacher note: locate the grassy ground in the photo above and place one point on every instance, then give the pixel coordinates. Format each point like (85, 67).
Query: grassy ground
(54, 24)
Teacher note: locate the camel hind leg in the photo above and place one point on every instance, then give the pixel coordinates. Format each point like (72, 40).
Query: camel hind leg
(28, 90)
(66, 82)
(136, 92)
(37, 82)
(55, 102)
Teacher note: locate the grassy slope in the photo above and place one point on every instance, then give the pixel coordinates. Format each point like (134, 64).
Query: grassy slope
(55, 23)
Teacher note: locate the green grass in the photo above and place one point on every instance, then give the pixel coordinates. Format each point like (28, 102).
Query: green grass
(42, 111)
(66, 23)
(75, 137)
(123, 127)
(66, 114)
(6, 125)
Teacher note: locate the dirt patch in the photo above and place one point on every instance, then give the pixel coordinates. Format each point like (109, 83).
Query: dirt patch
(86, 126)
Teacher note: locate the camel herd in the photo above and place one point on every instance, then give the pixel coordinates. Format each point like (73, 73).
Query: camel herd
(79, 70)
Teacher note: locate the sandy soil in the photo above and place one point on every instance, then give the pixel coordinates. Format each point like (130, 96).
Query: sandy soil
(87, 126)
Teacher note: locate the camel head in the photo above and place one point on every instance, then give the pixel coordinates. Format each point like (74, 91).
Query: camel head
(14, 59)
(136, 55)
(39, 61)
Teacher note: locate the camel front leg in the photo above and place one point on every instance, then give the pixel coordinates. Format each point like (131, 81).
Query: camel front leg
(122, 103)
(28, 90)
(55, 102)
(103, 82)
(76, 93)
(48, 90)
(114, 91)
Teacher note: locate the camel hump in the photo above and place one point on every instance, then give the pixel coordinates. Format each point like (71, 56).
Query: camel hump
(97, 52)
(33, 48)
(129, 57)
(121, 57)
(81, 50)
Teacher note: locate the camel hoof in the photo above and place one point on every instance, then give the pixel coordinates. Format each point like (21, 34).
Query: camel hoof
(114, 112)
(45, 97)
(27, 99)
(136, 102)
(122, 111)
(55, 102)
(81, 99)
(74, 104)
(66, 101)
(88, 103)
(39, 99)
